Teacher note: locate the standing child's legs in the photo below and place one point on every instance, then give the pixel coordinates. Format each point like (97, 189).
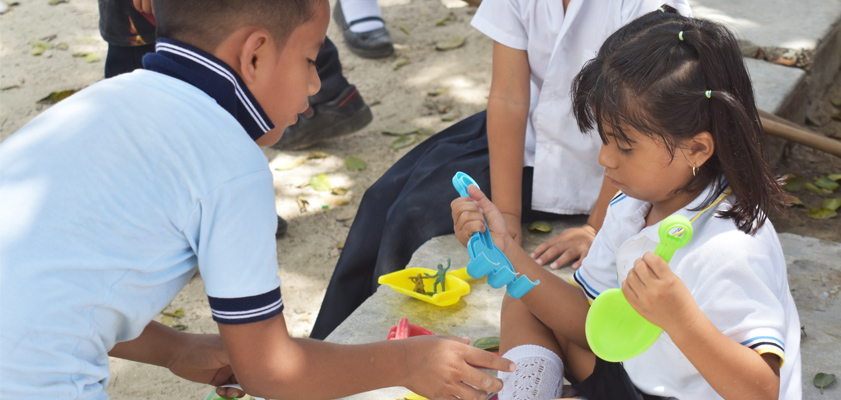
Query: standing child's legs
(122, 59)
(336, 110)
(363, 28)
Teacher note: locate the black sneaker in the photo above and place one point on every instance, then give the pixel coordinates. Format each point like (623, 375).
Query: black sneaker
(345, 114)
(282, 226)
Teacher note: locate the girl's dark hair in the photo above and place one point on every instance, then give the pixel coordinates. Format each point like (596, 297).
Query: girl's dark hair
(650, 76)
(206, 23)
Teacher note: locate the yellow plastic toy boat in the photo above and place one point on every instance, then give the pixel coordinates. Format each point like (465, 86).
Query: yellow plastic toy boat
(400, 282)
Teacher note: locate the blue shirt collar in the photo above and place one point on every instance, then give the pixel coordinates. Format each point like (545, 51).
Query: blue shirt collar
(212, 76)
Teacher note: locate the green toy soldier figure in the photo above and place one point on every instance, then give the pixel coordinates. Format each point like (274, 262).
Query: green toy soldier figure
(439, 277)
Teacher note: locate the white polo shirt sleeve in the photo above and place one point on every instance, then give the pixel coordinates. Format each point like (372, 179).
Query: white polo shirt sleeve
(232, 233)
(598, 269)
(742, 299)
(501, 20)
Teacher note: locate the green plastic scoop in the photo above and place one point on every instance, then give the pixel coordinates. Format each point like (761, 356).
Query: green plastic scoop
(615, 331)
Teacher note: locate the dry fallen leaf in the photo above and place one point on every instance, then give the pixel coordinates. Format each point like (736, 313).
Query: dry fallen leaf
(436, 92)
(90, 57)
(399, 63)
(39, 46)
(404, 141)
(320, 182)
(291, 164)
(355, 163)
(317, 155)
(450, 117)
(302, 204)
(450, 17)
(55, 97)
(334, 201)
(400, 131)
(450, 44)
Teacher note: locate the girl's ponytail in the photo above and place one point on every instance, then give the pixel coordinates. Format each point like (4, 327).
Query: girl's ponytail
(741, 154)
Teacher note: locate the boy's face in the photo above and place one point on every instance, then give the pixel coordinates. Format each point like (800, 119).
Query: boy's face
(292, 76)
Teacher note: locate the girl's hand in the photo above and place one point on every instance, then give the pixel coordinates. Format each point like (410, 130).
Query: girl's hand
(515, 227)
(203, 359)
(571, 244)
(470, 214)
(659, 295)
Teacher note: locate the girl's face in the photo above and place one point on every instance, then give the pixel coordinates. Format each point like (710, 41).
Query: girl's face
(643, 169)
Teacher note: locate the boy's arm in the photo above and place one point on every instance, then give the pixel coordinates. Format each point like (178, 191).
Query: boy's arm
(733, 370)
(269, 363)
(199, 358)
(508, 109)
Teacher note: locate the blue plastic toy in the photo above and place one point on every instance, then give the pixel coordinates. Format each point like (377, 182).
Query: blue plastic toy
(486, 258)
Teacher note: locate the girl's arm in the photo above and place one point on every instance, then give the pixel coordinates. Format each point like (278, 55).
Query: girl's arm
(508, 109)
(574, 243)
(469, 215)
(733, 370)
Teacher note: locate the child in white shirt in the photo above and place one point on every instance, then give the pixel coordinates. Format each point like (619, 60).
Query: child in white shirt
(674, 108)
(528, 133)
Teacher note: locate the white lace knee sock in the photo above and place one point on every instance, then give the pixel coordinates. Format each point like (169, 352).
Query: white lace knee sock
(539, 374)
(356, 9)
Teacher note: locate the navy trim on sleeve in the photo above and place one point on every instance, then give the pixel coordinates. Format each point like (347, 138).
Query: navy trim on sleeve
(243, 310)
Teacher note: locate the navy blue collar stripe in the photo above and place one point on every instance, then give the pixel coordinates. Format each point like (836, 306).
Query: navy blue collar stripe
(212, 66)
(213, 77)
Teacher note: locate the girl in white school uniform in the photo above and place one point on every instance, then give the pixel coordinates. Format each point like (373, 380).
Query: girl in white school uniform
(539, 46)
(674, 108)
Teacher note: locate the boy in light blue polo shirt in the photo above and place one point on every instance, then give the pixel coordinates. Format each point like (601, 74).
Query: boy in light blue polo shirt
(111, 200)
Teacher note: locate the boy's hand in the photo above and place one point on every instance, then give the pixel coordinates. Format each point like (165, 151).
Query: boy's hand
(655, 292)
(571, 244)
(444, 369)
(470, 214)
(203, 359)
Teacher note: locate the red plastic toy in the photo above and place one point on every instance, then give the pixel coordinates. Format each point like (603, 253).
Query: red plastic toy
(404, 330)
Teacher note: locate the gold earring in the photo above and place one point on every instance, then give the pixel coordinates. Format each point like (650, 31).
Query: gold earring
(693, 168)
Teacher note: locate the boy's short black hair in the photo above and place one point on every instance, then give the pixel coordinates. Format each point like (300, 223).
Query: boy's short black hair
(206, 23)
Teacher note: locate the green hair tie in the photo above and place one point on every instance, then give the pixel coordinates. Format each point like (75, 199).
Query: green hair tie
(680, 36)
(709, 94)
(661, 9)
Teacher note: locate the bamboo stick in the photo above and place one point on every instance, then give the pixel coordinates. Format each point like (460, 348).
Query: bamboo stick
(785, 129)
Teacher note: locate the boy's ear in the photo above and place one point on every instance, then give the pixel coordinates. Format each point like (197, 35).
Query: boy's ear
(255, 54)
(701, 148)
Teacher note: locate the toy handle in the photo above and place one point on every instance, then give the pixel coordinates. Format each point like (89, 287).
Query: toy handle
(461, 181)
(615, 331)
(675, 232)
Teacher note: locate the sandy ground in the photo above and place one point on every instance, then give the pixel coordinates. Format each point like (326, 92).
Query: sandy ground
(308, 254)
(433, 86)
